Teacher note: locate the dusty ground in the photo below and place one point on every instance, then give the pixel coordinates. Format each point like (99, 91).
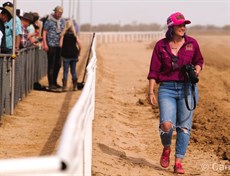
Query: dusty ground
(125, 129)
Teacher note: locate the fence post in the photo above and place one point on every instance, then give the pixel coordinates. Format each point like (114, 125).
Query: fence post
(7, 72)
(12, 86)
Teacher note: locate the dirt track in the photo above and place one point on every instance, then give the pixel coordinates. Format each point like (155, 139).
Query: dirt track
(125, 132)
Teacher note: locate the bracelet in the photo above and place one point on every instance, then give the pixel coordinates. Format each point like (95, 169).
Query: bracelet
(151, 93)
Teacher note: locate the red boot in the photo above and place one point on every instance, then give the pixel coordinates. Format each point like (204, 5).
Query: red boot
(165, 157)
(178, 169)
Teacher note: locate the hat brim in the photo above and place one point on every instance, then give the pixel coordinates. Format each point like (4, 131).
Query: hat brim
(182, 22)
(26, 19)
(187, 22)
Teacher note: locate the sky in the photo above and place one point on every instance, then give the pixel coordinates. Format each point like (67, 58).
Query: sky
(199, 12)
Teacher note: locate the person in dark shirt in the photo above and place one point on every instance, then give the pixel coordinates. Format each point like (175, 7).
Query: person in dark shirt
(169, 57)
(71, 47)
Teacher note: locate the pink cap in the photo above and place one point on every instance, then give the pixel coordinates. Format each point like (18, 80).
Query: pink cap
(176, 19)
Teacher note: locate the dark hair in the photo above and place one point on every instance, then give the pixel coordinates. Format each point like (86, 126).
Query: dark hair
(35, 16)
(169, 33)
(36, 26)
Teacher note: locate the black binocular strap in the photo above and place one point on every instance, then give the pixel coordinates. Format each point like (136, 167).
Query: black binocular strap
(186, 97)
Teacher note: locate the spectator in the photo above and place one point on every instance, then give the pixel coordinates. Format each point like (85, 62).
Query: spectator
(53, 27)
(31, 29)
(9, 30)
(36, 37)
(38, 40)
(26, 21)
(71, 48)
(19, 12)
(37, 24)
(5, 15)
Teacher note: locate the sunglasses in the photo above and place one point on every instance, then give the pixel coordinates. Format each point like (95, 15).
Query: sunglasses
(174, 62)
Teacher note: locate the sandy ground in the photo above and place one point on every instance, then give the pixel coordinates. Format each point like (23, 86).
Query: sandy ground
(125, 130)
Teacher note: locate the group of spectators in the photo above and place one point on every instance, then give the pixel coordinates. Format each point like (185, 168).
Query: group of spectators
(27, 29)
(56, 35)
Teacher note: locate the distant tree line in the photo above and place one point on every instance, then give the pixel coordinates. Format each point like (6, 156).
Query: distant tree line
(210, 29)
(152, 27)
(117, 27)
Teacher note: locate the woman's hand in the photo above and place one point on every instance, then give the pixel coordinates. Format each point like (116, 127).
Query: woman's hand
(151, 96)
(197, 69)
(152, 99)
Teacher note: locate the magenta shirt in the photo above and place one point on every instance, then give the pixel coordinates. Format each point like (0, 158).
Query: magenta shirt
(161, 62)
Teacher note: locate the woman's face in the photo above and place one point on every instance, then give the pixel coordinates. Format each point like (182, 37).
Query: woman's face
(179, 30)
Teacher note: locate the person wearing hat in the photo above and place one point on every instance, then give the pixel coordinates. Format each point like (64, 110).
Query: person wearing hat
(31, 29)
(169, 58)
(9, 28)
(35, 34)
(5, 15)
(26, 20)
(52, 29)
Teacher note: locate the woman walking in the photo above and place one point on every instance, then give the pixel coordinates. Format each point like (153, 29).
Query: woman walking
(71, 47)
(170, 56)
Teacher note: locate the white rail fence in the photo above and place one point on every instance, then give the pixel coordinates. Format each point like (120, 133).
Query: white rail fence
(118, 37)
(74, 155)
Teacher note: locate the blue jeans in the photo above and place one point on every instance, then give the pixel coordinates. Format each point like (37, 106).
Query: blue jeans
(173, 109)
(69, 62)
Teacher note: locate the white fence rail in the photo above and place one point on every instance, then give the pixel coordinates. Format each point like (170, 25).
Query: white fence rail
(77, 134)
(30, 166)
(118, 37)
(74, 156)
